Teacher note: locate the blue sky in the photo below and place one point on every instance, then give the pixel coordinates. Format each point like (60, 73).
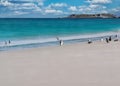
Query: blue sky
(56, 8)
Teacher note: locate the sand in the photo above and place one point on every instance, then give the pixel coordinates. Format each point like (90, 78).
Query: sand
(96, 64)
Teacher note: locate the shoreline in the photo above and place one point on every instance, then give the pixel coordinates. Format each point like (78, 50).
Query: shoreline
(24, 44)
(85, 43)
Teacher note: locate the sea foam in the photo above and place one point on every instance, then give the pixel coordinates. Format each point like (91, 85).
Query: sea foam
(54, 39)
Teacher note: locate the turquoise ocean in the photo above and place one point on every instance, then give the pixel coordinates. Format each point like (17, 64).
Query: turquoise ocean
(37, 32)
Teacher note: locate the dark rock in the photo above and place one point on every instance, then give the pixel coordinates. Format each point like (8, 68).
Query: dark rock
(92, 16)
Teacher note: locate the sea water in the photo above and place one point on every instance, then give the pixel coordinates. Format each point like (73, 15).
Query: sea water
(36, 32)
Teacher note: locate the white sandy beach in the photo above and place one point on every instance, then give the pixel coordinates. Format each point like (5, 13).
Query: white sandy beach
(96, 64)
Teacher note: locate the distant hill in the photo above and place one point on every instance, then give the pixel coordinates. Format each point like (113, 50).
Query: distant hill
(92, 16)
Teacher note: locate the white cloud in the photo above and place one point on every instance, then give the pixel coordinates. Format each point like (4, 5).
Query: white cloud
(24, 6)
(99, 1)
(28, 0)
(5, 3)
(73, 8)
(116, 9)
(38, 7)
(21, 8)
(19, 13)
(92, 8)
(96, 6)
(104, 11)
(53, 11)
(57, 5)
(55, 8)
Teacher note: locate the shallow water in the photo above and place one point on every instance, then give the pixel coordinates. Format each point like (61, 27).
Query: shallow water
(34, 32)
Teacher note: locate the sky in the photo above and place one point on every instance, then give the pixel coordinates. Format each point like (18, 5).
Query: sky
(56, 8)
